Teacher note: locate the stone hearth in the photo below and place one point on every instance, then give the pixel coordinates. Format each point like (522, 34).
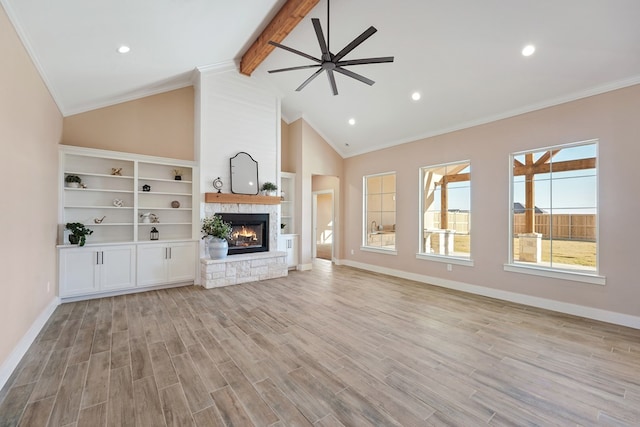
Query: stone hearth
(238, 269)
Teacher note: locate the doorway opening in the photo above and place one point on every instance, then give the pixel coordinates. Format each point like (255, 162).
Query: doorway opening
(323, 224)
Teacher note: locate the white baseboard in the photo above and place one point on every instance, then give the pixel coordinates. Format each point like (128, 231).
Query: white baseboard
(547, 304)
(19, 351)
(304, 267)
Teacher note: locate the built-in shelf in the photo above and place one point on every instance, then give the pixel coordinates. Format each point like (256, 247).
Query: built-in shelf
(241, 198)
(120, 200)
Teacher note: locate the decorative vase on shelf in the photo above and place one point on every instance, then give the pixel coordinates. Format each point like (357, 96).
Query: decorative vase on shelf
(218, 248)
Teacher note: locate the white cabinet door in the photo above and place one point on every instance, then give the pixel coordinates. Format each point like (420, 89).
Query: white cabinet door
(78, 271)
(117, 267)
(181, 265)
(289, 243)
(89, 270)
(292, 252)
(152, 264)
(166, 263)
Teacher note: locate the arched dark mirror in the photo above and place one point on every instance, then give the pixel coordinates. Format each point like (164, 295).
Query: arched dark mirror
(244, 174)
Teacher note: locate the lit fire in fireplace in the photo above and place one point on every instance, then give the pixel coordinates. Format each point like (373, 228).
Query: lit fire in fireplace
(244, 236)
(249, 232)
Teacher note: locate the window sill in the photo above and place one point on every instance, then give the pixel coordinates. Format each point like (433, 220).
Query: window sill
(445, 259)
(576, 276)
(379, 250)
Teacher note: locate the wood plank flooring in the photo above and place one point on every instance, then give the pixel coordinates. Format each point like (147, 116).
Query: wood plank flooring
(331, 347)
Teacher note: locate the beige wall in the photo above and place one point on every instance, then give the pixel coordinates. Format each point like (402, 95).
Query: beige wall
(158, 125)
(324, 183)
(287, 159)
(30, 130)
(295, 155)
(611, 117)
(313, 156)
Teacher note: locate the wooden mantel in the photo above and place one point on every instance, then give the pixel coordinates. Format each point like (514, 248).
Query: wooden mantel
(241, 198)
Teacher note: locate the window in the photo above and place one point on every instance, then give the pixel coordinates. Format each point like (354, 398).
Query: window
(445, 200)
(554, 209)
(380, 212)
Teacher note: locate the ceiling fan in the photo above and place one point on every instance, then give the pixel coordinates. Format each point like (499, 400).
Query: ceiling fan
(330, 62)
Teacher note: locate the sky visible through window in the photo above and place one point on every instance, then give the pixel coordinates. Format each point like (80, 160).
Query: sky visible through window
(572, 192)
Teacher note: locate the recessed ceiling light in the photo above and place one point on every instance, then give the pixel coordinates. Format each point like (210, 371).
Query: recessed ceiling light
(352, 122)
(124, 49)
(528, 50)
(416, 96)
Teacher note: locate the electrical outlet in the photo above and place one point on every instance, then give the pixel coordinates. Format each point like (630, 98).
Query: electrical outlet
(352, 252)
(48, 287)
(449, 267)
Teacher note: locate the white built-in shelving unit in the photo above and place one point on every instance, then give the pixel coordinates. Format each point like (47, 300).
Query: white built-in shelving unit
(288, 239)
(113, 205)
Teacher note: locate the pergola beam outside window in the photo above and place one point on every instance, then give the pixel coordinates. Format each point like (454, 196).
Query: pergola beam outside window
(543, 165)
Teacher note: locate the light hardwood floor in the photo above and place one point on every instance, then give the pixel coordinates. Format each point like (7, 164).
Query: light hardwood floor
(330, 347)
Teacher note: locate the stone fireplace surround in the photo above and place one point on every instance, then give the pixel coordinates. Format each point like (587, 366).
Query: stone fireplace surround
(244, 268)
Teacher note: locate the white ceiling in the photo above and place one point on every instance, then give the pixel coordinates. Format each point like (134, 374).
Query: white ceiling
(462, 55)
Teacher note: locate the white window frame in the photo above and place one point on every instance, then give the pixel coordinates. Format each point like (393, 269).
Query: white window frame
(592, 277)
(365, 226)
(422, 254)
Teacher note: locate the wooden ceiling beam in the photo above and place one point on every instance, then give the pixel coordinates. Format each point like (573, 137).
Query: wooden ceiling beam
(280, 26)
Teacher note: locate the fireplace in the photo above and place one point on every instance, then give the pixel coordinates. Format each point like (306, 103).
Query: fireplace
(250, 232)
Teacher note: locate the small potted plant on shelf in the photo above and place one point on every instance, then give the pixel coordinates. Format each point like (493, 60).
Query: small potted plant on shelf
(177, 174)
(78, 234)
(216, 232)
(269, 188)
(72, 181)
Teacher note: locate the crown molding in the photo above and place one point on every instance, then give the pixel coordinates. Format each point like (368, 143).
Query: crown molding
(217, 68)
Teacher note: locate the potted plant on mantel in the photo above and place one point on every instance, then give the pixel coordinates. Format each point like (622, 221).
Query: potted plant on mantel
(216, 232)
(269, 188)
(78, 234)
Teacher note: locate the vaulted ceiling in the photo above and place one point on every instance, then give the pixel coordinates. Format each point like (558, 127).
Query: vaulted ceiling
(463, 56)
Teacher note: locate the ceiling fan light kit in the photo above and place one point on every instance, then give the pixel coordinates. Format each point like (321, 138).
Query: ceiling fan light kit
(330, 62)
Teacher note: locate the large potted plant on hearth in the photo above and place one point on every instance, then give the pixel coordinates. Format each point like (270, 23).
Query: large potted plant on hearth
(216, 232)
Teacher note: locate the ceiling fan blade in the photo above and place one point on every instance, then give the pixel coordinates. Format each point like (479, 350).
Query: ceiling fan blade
(306, 82)
(332, 81)
(323, 45)
(297, 52)
(356, 76)
(301, 67)
(355, 43)
(365, 61)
